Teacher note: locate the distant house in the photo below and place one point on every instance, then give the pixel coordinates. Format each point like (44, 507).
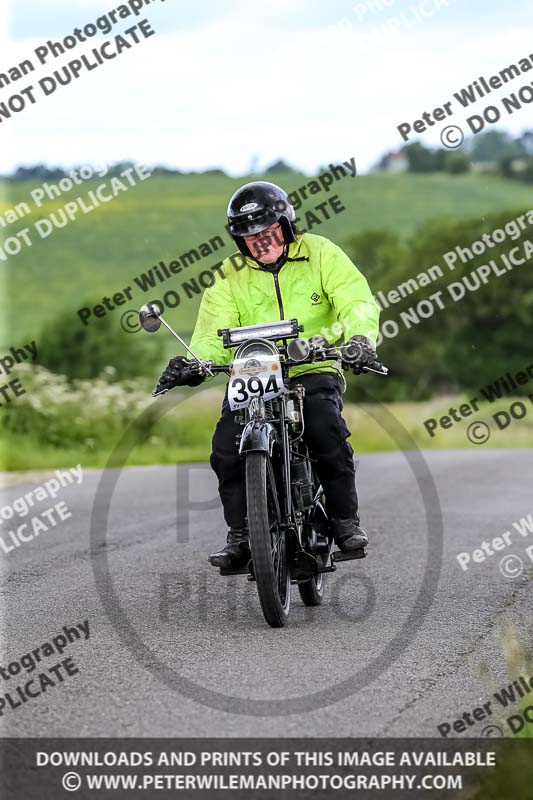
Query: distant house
(485, 167)
(394, 161)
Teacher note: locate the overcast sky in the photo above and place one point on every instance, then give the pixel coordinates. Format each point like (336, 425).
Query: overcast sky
(224, 83)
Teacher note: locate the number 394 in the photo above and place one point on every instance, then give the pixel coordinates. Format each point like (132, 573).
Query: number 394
(252, 386)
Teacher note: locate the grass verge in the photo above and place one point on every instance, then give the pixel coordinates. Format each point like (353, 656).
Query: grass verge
(57, 423)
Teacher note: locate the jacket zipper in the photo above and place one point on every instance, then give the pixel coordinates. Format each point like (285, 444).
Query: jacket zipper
(278, 294)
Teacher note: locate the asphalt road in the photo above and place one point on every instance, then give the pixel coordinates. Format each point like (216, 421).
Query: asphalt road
(401, 643)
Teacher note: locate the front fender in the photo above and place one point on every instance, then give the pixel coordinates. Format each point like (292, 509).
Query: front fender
(258, 435)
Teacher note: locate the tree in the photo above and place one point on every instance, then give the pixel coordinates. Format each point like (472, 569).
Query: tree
(83, 351)
(38, 172)
(457, 164)
(493, 146)
(465, 343)
(526, 142)
(507, 168)
(279, 166)
(422, 159)
(527, 174)
(378, 253)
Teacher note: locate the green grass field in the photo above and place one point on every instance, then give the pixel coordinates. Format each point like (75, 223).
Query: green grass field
(57, 423)
(162, 218)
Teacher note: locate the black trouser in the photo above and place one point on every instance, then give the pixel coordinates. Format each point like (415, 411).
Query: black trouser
(325, 435)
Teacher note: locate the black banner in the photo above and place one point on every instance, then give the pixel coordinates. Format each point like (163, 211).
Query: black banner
(257, 768)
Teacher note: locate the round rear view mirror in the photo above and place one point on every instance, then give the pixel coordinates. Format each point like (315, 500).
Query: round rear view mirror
(149, 317)
(298, 349)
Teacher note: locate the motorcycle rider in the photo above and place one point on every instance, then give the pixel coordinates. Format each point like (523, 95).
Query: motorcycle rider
(285, 274)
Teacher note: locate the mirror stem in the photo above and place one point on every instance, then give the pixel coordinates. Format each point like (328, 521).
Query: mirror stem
(186, 346)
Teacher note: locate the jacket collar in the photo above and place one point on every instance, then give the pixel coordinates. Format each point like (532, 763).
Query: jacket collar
(295, 247)
(294, 254)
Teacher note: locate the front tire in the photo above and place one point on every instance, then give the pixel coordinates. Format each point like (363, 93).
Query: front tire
(267, 541)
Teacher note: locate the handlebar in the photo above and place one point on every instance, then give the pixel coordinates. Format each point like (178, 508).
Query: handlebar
(317, 354)
(320, 353)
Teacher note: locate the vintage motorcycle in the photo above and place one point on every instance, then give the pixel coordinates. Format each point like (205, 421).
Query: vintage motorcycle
(289, 531)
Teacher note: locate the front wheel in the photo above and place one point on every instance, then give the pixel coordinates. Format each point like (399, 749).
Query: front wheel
(267, 540)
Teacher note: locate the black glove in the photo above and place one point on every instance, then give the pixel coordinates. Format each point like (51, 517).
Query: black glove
(359, 352)
(179, 372)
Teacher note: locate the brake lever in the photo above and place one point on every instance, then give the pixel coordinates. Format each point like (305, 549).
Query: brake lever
(203, 368)
(383, 371)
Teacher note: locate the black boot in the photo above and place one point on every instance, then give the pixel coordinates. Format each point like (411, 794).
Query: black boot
(236, 552)
(348, 535)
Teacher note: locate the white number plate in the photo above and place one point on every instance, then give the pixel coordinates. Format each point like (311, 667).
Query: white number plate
(254, 377)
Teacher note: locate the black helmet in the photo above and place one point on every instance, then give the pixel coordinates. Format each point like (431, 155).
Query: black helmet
(256, 206)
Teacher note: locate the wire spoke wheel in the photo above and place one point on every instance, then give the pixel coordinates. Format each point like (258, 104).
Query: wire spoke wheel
(267, 540)
(312, 591)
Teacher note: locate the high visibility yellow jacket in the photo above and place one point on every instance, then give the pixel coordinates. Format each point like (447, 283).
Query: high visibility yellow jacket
(318, 285)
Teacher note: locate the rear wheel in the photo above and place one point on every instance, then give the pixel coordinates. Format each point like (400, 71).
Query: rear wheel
(267, 540)
(312, 592)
